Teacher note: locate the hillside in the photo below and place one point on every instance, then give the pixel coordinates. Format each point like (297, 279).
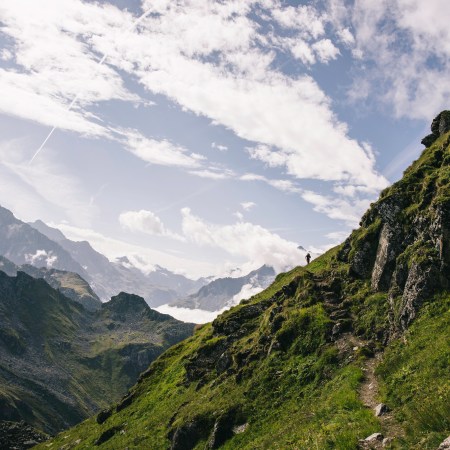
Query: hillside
(302, 364)
(60, 363)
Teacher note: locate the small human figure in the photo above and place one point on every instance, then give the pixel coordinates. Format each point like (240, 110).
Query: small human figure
(308, 258)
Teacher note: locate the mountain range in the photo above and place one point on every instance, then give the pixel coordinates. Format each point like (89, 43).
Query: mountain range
(39, 245)
(349, 352)
(60, 362)
(226, 292)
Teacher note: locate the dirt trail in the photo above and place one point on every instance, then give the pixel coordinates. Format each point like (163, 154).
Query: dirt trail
(369, 394)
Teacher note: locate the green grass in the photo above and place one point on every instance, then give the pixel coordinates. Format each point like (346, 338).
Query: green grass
(285, 377)
(415, 376)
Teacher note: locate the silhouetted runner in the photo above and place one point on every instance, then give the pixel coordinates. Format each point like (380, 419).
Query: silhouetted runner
(308, 258)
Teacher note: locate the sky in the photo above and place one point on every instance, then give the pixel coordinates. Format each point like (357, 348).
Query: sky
(204, 136)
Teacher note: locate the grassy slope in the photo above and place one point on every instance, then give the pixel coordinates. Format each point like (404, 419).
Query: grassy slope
(303, 393)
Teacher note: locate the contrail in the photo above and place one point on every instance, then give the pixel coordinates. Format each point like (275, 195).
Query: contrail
(100, 63)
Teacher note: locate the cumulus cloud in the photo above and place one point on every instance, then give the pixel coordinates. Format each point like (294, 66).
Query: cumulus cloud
(251, 242)
(140, 256)
(145, 222)
(347, 210)
(407, 43)
(41, 257)
(226, 76)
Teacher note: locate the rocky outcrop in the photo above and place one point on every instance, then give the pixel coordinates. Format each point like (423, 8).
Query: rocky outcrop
(19, 436)
(403, 244)
(439, 126)
(387, 252)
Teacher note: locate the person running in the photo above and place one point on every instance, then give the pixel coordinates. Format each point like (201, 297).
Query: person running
(308, 258)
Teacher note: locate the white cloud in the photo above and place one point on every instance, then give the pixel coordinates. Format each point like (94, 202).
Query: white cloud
(141, 256)
(247, 291)
(52, 43)
(264, 153)
(346, 36)
(41, 257)
(43, 186)
(246, 240)
(305, 20)
(226, 76)
(211, 174)
(189, 315)
(220, 147)
(162, 152)
(350, 211)
(407, 43)
(325, 50)
(338, 236)
(6, 55)
(282, 185)
(145, 222)
(247, 206)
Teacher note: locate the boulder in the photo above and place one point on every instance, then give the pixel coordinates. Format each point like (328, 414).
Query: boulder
(381, 409)
(439, 126)
(445, 445)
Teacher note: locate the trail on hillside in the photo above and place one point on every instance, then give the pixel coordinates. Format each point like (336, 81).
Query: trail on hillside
(369, 395)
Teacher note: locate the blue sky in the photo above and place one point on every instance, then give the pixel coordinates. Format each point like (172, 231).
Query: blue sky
(203, 135)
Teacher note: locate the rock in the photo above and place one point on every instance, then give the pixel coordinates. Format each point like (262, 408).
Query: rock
(186, 436)
(107, 435)
(381, 409)
(445, 445)
(222, 431)
(387, 252)
(126, 401)
(19, 435)
(386, 441)
(374, 438)
(362, 262)
(102, 416)
(439, 126)
(421, 283)
(238, 429)
(429, 139)
(224, 428)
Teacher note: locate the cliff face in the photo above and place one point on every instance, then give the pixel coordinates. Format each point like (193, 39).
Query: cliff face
(403, 244)
(294, 366)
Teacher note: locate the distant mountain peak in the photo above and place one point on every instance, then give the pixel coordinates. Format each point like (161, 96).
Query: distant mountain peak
(124, 302)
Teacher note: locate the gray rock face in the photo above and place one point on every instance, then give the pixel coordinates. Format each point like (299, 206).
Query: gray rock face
(404, 243)
(387, 251)
(439, 126)
(419, 286)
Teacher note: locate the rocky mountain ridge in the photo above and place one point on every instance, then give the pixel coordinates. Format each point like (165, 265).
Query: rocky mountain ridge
(221, 292)
(60, 363)
(290, 367)
(68, 283)
(40, 245)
